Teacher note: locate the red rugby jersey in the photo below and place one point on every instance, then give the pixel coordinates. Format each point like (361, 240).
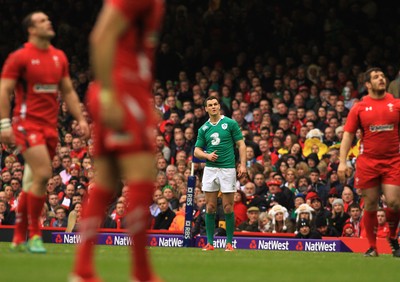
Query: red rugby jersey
(379, 121)
(38, 73)
(136, 47)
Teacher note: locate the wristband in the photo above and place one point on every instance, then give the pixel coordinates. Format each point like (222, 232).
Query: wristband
(5, 123)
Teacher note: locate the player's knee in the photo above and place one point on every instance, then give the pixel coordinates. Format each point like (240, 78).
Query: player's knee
(394, 204)
(211, 208)
(228, 208)
(370, 203)
(41, 176)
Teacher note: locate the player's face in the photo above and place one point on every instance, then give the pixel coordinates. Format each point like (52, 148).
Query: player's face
(377, 83)
(42, 26)
(213, 107)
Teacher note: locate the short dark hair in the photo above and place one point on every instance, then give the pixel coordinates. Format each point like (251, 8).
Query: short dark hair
(27, 21)
(314, 169)
(367, 74)
(209, 98)
(353, 206)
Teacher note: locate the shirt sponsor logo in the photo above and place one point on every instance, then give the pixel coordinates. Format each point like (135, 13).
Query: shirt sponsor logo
(45, 88)
(35, 62)
(382, 127)
(204, 128)
(368, 109)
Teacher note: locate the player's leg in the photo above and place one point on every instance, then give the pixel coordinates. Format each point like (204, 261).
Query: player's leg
(392, 196)
(21, 222)
(211, 190)
(227, 202)
(93, 214)
(211, 208)
(138, 170)
(227, 179)
(371, 199)
(38, 159)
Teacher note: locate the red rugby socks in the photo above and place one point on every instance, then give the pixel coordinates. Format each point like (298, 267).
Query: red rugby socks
(392, 218)
(138, 200)
(370, 223)
(93, 214)
(21, 221)
(35, 206)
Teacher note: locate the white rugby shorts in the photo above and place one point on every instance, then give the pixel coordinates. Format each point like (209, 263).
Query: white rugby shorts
(219, 179)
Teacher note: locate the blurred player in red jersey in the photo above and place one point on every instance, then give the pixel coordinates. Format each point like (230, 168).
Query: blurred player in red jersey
(378, 164)
(36, 73)
(123, 44)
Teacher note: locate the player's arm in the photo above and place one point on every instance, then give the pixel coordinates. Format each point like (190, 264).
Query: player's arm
(7, 87)
(71, 99)
(345, 146)
(103, 40)
(242, 157)
(200, 154)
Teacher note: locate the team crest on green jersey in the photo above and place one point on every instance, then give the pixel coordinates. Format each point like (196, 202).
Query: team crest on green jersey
(224, 126)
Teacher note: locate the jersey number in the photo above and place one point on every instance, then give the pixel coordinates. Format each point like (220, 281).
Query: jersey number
(215, 139)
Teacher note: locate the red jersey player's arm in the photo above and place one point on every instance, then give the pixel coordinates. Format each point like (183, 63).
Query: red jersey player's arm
(7, 87)
(103, 40)
(345, 145)
(71, 98)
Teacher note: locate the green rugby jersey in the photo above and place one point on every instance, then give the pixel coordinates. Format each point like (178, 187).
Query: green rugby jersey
(221, 137)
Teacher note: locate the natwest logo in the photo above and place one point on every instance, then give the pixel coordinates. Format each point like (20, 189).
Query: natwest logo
(170, 242)
(320, 247)
(72, 239)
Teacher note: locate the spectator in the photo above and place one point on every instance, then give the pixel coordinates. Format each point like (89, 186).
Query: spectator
(74, 218)
(7, 217)
(339, 216)
(169, 194)
(251, 224)
(383, 226)
(164, 219)
(154, 208)
(61, 219)
(264, 222)
(305, 231)
(239, 207)
(347, 197)
(178, 223)
(322, 227)
(348, 230)
(355, 219)
(281, 222)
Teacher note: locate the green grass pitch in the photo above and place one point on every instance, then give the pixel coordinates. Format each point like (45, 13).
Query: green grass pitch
(194, 265)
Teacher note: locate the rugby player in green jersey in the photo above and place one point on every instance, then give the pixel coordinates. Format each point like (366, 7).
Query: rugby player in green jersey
(216, 144)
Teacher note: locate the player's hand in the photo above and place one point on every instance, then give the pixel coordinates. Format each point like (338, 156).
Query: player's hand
(6, 132)
(212, 157)
(242, 170)
(84, 129)
(112, 113)
(341, 172)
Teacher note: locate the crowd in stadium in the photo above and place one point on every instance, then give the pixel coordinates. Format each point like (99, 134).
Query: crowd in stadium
(287, 71)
